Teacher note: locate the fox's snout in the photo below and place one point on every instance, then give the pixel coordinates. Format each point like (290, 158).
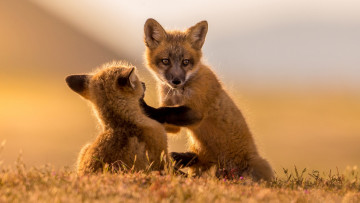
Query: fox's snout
(176, 81)
(175, 76)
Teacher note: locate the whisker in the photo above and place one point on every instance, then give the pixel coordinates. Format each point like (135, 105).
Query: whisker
(167, 93)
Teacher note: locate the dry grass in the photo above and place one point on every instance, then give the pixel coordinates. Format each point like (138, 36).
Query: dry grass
(46, 184)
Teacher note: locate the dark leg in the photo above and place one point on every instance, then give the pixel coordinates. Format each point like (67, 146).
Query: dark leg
(184, 159)
(179, 116)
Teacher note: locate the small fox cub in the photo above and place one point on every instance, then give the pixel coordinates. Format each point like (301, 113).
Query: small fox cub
(128, 136)
(221, 136)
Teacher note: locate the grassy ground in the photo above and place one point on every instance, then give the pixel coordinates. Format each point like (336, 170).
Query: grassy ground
(46, 184)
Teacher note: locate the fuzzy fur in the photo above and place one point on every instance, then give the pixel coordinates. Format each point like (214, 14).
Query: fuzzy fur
(126, 131)
(222, 138)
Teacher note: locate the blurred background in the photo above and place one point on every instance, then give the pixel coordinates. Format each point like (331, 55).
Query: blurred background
(293, 67)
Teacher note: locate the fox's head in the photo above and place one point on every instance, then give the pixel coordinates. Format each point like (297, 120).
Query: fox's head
(174, 55)
(115, 83)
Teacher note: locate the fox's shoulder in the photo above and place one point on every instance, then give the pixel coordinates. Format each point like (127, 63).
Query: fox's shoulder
(204, 82)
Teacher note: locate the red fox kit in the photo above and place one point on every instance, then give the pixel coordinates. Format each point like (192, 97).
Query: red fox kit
(115, 91)
(221, 138)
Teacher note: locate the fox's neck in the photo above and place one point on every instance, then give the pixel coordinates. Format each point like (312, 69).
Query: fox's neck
(121, 115)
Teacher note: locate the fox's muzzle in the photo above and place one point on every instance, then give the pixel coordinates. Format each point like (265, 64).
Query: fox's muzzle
(175, 76)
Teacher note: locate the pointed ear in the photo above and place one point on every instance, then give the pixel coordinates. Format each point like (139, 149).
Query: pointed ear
(154, 33)
(197, 34)
(129, 78)
(78, 83)
(132, 77)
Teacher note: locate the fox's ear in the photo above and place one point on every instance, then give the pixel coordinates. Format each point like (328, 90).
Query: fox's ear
(154, 33)
(78, 83)
(129, 79)
(197, 34)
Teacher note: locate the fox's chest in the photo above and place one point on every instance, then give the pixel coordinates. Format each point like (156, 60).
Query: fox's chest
(173, 97)
(173, 100)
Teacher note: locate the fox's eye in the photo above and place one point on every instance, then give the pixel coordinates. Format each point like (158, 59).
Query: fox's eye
(165, 61)
(185, 62)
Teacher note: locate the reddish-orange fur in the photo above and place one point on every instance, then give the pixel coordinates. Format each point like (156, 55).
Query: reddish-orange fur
(128, 136)
(222, 138)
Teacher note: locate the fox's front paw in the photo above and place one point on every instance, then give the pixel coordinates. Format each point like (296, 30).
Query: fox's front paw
(184, 159)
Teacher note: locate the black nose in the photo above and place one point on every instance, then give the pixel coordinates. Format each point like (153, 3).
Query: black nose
(176, 81)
